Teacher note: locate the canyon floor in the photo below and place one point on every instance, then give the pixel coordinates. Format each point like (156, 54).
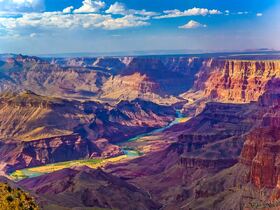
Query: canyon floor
(142, 133)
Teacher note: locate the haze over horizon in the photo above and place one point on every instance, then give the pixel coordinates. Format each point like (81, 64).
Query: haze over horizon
(105, 26)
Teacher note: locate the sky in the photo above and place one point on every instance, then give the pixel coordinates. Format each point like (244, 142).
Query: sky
(78, 26)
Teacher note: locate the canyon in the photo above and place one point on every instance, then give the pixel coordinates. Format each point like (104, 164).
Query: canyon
(222, 151)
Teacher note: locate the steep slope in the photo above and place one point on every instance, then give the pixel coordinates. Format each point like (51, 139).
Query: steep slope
(202, 170)
(253, 182)
(203, 146)
(87, 188)
(31, 117)
(18, 155)
(28, 116)
(127, 119)
(42, 77)
(235, 81)
(105, 79)
(37, 130)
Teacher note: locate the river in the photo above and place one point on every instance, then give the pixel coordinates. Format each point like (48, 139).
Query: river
(128, 153)
(131, 152)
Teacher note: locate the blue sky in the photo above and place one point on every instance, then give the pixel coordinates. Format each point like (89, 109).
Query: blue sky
(65, 26)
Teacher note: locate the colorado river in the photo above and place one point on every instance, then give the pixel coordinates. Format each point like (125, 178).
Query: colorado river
(93, 163)
(131, 152)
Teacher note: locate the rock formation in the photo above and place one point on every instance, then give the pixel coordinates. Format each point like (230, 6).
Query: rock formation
(88, 188)
(235, 80)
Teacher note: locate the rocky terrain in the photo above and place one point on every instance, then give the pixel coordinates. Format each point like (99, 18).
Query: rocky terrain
(105, 79)
(205, 130)
(203, 170)
(235, 81)
(87, 188)
(42, 129)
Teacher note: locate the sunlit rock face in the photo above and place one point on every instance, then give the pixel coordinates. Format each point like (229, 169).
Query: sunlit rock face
(85, 77)
(261, 151)
(17, 155)
(236, 80)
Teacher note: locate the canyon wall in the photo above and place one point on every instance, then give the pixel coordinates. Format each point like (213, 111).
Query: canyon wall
(17, 155)
(103, 79)
(235, 81)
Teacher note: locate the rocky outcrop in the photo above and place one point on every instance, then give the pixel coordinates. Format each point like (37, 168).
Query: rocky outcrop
(106, 149)
(219, 79)
(262, 146)
(130, 118)
(87, 188)
(32, 117)
(28, 116)
(214, 138)
(219, 164)
(129, 87)
(18, 155)
(236, 80)
(106, 79)
(261, 152)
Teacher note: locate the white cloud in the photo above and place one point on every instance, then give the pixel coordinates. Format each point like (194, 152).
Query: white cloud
(60, 20)
(259, 14)
(192, 24)
(120, 9)
(68, 9)
(90, 6)
(116, 8)
(127, 21)
(85, 17)
(21, 5)
(190, 12)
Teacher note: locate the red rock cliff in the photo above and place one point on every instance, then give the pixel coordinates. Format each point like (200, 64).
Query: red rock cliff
(236, 80)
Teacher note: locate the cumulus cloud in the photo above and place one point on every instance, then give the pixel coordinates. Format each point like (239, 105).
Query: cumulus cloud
(90, 6)
(190, 12)
(88, 16)
(259, 14)
(68, 9)
(123, 22)
(120, 9)
(56, 20)
(192, 24)
(21, 5)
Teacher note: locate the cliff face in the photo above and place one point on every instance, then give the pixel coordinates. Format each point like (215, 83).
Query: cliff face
(18, 155)
(32, 117)
(106, 79)
(214, 138)
(127, 119)
(129, 87)
(235, 80)
(261, 152)
(28, 116)
(36, 130)
(144, 77)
